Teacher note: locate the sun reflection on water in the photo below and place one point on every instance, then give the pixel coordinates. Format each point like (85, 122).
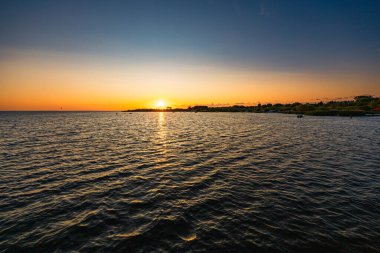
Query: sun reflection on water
(161, 138)
(161, 119)
(161, 129)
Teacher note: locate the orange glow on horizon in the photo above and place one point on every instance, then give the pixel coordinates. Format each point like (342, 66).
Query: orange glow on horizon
(40, 82)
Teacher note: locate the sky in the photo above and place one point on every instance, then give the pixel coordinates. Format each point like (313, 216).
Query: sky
(114, 55)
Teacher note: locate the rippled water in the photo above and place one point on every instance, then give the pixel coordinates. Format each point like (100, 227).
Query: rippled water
(120, 182)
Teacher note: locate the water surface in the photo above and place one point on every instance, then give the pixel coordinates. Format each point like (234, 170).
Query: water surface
(179, 182)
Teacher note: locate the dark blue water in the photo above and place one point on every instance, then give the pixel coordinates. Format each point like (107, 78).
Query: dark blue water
(180, 182)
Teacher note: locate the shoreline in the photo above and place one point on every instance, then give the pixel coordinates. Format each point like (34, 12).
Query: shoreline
(361, 106)
(364, 114)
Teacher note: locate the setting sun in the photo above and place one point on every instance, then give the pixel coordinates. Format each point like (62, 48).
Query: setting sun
(160, 103)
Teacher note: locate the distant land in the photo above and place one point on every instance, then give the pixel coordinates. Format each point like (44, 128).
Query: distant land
(359, 106)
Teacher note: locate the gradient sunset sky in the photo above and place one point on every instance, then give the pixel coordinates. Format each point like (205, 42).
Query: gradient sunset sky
(113, 55)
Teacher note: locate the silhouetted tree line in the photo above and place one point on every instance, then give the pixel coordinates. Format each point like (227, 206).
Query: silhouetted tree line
(361, 105)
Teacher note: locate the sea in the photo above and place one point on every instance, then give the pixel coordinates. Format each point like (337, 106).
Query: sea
(188, 182)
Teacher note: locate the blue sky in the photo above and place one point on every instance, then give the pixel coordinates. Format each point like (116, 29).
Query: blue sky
(308, 35)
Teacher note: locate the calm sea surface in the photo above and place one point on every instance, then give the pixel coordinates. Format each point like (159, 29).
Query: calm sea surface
(179, 182)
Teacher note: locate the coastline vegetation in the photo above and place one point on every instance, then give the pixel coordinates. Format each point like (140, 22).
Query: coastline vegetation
(359, 106)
